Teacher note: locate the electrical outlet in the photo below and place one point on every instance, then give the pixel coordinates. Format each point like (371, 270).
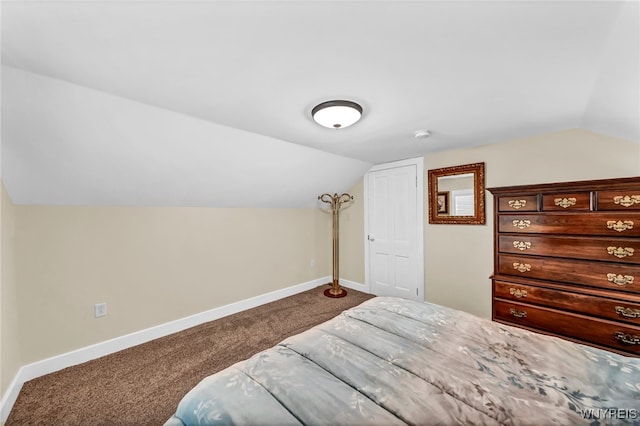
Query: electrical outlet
(101, 310)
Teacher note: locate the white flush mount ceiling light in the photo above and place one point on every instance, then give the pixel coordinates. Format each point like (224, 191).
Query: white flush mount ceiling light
(336, 114)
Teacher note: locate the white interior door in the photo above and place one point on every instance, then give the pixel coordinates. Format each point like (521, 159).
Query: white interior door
(394, 230)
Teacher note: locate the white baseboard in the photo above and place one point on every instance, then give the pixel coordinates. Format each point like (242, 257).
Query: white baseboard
(354, 285)
(50, 365)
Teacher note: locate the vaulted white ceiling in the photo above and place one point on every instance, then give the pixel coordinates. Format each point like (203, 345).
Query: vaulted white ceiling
(208, 102)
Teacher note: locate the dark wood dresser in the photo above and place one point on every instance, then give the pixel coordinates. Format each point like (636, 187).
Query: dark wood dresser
(567, 261)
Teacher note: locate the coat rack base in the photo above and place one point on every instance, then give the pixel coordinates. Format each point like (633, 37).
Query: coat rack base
(335, 292)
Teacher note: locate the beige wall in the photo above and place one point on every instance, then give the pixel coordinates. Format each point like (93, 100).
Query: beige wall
(352, 236)
(9, 343)
(151, 265)
(459, 258)
(2, 271)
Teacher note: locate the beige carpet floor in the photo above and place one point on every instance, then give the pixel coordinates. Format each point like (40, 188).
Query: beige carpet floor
(142, 385)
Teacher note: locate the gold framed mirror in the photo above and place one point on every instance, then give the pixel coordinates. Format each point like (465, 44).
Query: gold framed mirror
(456, 195)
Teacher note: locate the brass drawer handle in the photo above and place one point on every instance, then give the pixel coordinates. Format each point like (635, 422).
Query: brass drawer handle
(620, 252)
(626, 200)
(627, 312)
(517, 204)
(518, 314)
(522, 245)
(620, 279)
(521, 267)
(565, 202)
(621, 225)
(521, 223)
(626, 338)
(519, 294)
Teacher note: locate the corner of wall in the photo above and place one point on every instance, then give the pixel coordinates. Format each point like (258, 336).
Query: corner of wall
(1, 298)
(9, 342)
(352, 236)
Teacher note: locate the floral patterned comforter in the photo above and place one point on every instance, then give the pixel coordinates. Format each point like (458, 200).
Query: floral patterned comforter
(392, 361)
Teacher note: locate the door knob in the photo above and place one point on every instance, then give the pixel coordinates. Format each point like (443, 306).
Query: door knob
(370, 237)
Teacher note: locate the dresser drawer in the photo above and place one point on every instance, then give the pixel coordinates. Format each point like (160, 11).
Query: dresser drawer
(525, 203)
(606, 275)
(567, 202)
(619, 200)
(602, 307)
(607, 249)
(623, 337)
(614, 224)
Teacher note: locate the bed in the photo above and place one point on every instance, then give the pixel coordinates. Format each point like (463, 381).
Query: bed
(392, 361)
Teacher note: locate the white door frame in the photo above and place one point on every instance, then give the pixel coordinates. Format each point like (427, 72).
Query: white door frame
(419, 163)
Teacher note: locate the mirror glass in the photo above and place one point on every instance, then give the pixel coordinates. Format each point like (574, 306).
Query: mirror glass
(456, 194)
